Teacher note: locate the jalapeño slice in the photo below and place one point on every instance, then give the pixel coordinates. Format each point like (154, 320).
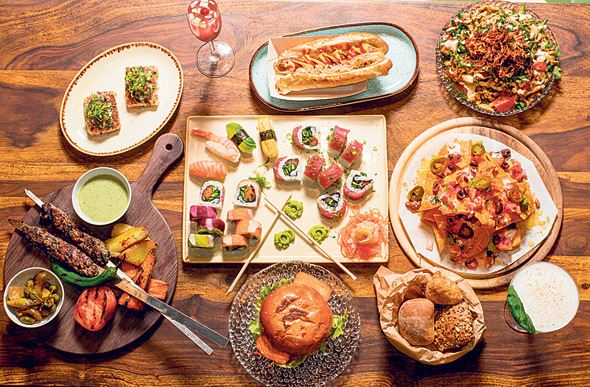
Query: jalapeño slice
(416, 193)
(477, 148)
(438, 164)
(482, 182)
(515, 195)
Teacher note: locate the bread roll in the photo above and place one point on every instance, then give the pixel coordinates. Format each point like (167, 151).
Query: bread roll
(442, 290)
(415, 320)
(296, 319)
(453, 327)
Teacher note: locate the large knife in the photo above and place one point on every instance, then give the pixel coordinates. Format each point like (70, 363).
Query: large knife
(179, 319)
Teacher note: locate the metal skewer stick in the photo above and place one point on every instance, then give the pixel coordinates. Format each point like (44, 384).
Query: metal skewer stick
(253, 253)
(184, 329)
(310, 239)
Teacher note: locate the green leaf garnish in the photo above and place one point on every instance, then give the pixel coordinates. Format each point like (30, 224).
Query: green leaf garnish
(518, 312)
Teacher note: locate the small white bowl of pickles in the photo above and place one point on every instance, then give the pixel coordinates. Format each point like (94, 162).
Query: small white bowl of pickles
(101, 196)
(33, 297)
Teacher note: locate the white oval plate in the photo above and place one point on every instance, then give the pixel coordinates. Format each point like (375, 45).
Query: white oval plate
(106, 72)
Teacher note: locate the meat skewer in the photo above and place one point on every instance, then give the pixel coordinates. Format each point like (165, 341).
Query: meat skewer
(93, 247)
(58, 248)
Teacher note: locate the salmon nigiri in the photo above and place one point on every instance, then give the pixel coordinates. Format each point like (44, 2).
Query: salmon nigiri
(219, 145)
(207, 169)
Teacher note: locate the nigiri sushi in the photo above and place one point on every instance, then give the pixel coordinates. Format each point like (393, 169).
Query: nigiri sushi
(239, 137)
(202, 241)
(202, 212)
(239, 214)
(214, 227)
(249, 228)
(306, 137)
(330, 176)
(268, 138)
(357, 185)
(337, 141)
(333, 205)
(351, 154)
(234, 243)
(208, 169)
(288, 168)
(313, 167)
(219, 145)
(212, 194)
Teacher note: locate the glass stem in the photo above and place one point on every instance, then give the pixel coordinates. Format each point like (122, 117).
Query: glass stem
(214, 53)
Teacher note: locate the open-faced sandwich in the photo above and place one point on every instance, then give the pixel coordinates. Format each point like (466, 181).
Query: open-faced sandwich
(332, 61)
(100, 113)
(294, 320)
(141, 86)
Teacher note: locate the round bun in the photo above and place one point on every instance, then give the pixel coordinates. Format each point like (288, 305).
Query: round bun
(416, 321)
(296, 319)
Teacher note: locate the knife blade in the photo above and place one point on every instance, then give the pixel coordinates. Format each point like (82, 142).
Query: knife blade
(179, 319)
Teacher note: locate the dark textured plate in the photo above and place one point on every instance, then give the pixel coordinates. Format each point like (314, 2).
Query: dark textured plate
(317, 370)
(403, 52)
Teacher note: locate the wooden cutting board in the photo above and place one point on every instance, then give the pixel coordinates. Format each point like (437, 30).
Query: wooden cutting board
(63, 332)
(509, 136)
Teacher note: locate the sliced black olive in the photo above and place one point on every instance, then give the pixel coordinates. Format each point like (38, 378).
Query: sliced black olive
(465, 231)
(506, 153)
(496, 239)
(499, 207)
(451, 220)
(474, 163)
(461, 194)
(504, 165)
(435, 187)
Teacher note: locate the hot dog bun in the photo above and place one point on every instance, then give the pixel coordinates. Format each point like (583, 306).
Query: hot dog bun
(332, 61)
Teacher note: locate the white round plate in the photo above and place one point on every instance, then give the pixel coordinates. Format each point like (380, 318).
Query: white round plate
(106, 72)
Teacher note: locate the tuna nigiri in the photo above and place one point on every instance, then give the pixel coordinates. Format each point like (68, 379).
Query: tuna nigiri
(208, 169)
(351, 153)
(313, 168)
(337, 141)
(330, 176)
(219, 145)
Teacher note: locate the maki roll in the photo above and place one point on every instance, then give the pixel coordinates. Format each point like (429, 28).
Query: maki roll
(201, 241)
(288, 168)
(212, 194)
(234, 243)
(357, 185)
(249, 228)
(239, 214)
(306, 137)
(351, 154)
(214, 227)
(202, 212)
(247, 194)
(313, 168)
(238, 135)
(332, 206)
(330, 176)
(337, 141)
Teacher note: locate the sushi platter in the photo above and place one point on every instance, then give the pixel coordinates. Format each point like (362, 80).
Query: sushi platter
(224, 212)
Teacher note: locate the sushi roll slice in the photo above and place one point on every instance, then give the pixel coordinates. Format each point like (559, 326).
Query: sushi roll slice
(306, 137)
(357, 185)
(201, 241)
(212, 194)
(351, 154)
(313, 168)
(202, 212)
(238, 214)
(215, 227)
(247, 194)
(288, 168)
(337, 141)
(249, 228)
(333, 205)
(330, 176)
(234, 243)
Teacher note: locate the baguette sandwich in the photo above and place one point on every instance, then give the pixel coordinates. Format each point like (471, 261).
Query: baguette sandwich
(330, 62)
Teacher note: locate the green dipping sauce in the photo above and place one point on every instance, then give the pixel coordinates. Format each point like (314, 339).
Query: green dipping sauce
(103, 198)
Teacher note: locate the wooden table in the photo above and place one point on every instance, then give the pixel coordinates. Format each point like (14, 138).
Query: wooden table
(44, 44)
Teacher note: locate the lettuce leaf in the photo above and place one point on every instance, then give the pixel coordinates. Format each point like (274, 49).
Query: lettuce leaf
(338, 324)
(255, 327)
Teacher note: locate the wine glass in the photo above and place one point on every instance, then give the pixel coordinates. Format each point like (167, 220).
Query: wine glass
(214, 58)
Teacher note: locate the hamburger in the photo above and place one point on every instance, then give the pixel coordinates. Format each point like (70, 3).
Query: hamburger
(293, 320)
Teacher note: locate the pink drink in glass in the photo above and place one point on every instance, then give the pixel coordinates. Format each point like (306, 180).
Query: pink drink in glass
(204, 19)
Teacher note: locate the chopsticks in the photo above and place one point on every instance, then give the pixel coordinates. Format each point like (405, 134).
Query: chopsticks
(309, 239)
(253, 253)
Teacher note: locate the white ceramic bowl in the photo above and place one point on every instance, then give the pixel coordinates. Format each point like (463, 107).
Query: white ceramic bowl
(21, 279)
(87, 176)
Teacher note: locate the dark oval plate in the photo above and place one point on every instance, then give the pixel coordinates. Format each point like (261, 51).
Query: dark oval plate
(403, 52)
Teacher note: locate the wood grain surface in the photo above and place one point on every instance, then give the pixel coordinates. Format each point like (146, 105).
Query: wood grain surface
(44, 45)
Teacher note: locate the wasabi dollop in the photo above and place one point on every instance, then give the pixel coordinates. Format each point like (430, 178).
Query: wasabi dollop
(284, 238)
(293, 209)
(319, 233)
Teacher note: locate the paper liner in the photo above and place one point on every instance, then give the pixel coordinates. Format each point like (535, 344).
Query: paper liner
(391, 287)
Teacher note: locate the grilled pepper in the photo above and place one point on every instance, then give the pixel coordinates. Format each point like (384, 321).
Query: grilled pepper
(73, 278)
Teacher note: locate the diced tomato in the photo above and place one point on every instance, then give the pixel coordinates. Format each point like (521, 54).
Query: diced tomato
(540, 66)
(471, 264)
(461, 89)
(503, 103)
(526, 86)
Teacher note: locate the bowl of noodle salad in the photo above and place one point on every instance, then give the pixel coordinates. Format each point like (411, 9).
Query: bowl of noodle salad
(497, 58)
